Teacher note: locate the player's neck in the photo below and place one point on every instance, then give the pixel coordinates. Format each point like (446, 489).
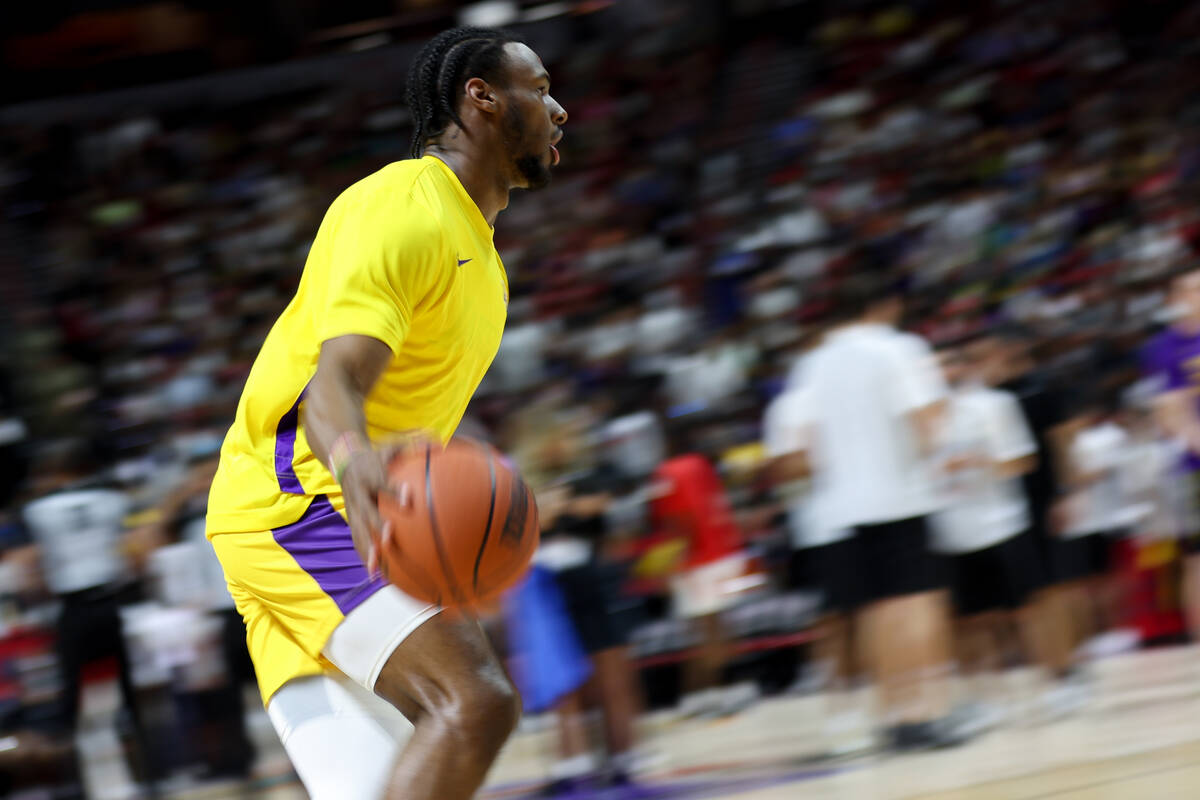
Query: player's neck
(486, 188)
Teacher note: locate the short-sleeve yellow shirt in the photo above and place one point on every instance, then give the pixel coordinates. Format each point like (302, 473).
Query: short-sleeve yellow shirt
(403, 256)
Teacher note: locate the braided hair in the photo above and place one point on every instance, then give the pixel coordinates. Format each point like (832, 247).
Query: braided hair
(440, 71)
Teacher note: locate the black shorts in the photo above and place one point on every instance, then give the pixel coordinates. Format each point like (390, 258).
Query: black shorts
(878, 562)
(1083, 556)
(894, 559)
(1000, 577)
(833, 570)
(589, 595)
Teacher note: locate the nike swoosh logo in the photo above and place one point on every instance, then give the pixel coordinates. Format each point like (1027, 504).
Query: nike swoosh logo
(462, 261)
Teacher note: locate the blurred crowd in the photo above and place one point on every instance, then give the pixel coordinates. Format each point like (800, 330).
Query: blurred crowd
(1017, 178)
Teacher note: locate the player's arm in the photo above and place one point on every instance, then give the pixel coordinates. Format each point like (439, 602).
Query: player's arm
(919, 392)
(384, 264)
(789, 467)
(1012, 444)
(335, 425)
(787, 432)
(1016, 467)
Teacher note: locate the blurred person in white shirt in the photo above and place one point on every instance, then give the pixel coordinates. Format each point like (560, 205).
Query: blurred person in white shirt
(1171, 360)
(188, 576)
(869, 403)
(78, 527)
(664, 325)
(823, 557)
(997, 569)
(520, 362)
(628, 432)
(1098, 513)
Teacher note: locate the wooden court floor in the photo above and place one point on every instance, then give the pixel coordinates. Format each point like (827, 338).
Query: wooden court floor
(1139, 737)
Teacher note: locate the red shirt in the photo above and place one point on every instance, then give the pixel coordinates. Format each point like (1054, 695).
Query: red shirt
(695, 505)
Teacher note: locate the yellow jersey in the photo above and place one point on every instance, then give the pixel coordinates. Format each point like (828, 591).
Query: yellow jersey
(403, 256)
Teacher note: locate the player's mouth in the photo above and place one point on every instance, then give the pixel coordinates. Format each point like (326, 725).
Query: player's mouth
(554, 150)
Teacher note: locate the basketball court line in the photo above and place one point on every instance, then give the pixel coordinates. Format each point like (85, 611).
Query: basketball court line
(1079, 781)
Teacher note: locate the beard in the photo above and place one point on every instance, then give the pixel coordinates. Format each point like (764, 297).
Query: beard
(529, 165)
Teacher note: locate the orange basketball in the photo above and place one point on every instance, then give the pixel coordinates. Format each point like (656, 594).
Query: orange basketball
(468, 529)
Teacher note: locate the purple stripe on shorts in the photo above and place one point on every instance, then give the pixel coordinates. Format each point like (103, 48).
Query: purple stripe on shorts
(285, 449)
(321, 543)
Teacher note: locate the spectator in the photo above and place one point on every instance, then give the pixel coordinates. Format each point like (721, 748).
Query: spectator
(871, 404)
(996, 565)
(77, 526)
(823, 557)
(690, 507)
(1171, 360)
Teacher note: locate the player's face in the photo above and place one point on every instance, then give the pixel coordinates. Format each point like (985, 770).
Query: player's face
(533, 119)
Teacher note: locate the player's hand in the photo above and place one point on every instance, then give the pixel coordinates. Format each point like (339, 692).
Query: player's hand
(364, 480)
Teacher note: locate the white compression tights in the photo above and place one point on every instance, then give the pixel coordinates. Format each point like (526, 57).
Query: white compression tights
(342, 739)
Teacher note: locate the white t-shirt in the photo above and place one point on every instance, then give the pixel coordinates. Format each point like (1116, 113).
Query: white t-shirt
(857, 390)
(707, 377)
(635, 443)
(661, 330)
(79, 534)
(1104, 506)
(189, 574)
(982, 509)
(784, 432)
(1152, 487)
(519, 361)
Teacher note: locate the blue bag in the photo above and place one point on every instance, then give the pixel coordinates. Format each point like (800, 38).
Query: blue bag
(547, 660)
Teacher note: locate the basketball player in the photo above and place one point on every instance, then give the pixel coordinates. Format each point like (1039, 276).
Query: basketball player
(398, 314)
(1174, 357)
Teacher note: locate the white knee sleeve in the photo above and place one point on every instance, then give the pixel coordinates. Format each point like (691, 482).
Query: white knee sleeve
(342, 740)
(367, 637)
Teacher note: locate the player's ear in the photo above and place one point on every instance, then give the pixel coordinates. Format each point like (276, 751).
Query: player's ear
(481, 94)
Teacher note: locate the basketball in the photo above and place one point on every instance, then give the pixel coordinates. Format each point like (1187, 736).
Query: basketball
(468, 529)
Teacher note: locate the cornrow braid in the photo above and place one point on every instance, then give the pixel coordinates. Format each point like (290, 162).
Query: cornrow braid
(440, 71)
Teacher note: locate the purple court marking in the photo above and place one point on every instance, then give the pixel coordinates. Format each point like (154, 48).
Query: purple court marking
(320, 542)
(285, 448)
(675, 790)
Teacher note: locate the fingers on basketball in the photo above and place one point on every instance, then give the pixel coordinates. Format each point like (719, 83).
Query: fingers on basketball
(467, 530)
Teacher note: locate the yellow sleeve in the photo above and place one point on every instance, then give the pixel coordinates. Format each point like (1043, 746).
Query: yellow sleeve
(383, 258)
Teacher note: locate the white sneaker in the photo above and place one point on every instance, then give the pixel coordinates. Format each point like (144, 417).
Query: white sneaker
(975, 718)
(738, 698)
(813, 678)
(1111, 643)
(699, 703)
(848, 733)
(1065, 698)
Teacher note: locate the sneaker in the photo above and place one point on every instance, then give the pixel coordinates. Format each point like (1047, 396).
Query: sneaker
(623, 787)
(1064, 698)
(848, 733)
(975, 719)
(1110, 643)
(738, 698)
(569, 787)
(917, 736)
(700, 703)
